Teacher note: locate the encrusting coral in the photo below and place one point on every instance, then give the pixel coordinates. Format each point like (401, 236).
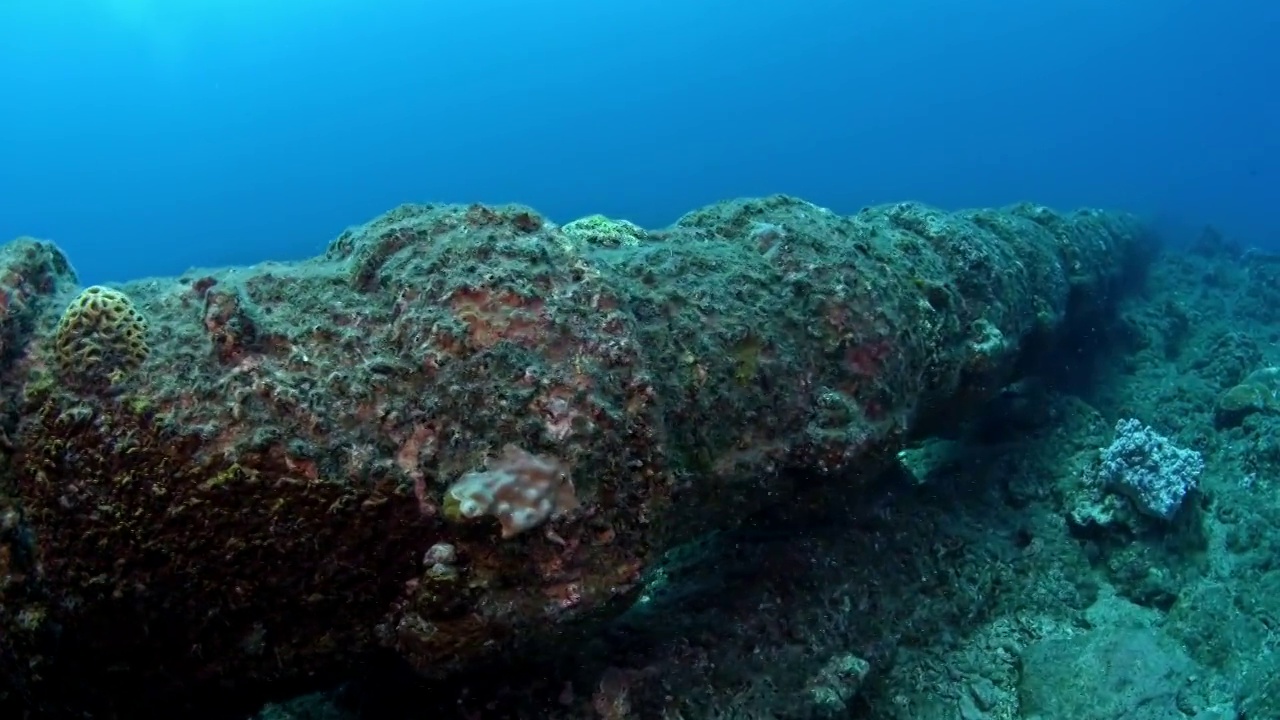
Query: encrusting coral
(520, 489)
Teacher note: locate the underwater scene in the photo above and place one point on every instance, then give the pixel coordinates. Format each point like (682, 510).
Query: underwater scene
(570, 360)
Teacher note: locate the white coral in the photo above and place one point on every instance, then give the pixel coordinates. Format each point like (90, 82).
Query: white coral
(520, 489)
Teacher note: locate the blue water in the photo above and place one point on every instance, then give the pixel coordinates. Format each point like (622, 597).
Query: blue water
(146, 136)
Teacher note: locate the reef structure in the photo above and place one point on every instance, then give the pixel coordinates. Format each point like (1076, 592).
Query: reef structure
(463, 425)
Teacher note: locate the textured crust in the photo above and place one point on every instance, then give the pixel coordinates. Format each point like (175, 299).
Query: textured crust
(259, 506)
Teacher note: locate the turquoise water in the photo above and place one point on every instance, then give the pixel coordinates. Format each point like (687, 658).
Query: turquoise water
(145, 136)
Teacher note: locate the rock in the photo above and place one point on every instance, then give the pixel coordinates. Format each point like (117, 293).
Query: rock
(1135, 674)
(253, 502)
(1259, 392)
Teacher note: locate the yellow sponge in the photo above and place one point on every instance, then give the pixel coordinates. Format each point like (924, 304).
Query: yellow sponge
(100, 337)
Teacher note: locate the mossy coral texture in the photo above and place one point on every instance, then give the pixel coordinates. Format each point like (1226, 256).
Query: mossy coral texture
(258, 505)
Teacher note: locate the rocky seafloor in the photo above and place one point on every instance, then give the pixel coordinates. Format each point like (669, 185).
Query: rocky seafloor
(769, 462)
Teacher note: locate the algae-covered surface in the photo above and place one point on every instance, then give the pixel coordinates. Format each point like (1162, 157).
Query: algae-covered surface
(249, 477)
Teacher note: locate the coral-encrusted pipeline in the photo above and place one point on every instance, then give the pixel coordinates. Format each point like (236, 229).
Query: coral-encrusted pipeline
(274, 490)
